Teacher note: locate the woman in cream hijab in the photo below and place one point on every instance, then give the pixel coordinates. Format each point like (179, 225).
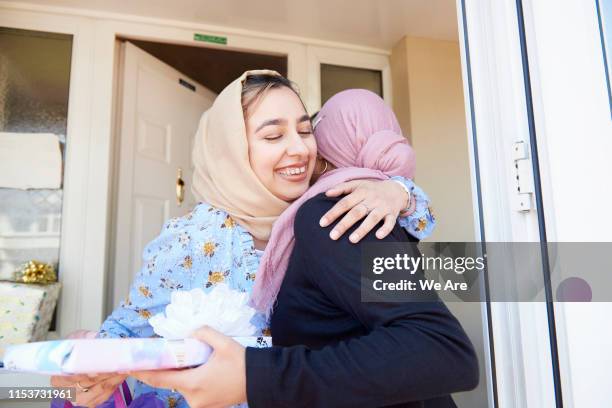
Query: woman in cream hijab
(254, 154)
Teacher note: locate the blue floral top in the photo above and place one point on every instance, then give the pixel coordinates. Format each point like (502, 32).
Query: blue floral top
(200, 250)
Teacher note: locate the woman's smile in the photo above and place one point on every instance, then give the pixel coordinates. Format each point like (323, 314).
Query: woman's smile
(294, 172)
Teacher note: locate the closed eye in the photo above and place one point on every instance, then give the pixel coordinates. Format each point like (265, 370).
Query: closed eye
(273, 137)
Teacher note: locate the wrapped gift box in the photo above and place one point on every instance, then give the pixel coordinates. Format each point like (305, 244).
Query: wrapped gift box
(87, 356)
(26, 311)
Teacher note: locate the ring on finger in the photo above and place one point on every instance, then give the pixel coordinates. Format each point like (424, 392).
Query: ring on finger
(368, 209)
(81, 388)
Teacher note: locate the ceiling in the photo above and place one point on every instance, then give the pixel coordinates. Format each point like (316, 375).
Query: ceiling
(375, 23)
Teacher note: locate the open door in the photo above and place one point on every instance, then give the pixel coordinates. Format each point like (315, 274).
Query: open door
(160, 109)
(536, 74)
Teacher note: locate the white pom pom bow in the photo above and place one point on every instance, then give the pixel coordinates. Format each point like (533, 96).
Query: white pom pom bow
(222, 308)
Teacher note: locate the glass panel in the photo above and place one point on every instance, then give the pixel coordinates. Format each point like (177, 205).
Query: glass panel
(335, 78)
(604, 9)
(34, 83)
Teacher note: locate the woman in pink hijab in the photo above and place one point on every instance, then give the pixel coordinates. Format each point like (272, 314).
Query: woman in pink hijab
(331, 349)
(356, 131)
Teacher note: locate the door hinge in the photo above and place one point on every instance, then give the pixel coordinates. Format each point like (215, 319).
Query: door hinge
(523, 176)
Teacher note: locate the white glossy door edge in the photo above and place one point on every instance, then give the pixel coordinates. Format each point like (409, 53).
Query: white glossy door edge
(572, 118)
(497, 119)
(317, 55)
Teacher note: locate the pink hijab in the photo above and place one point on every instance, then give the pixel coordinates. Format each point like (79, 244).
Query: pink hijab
(359, 134)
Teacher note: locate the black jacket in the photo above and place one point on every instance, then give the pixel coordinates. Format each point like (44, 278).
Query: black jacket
(333, 350)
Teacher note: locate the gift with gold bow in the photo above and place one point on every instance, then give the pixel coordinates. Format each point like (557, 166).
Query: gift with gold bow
(27, 304)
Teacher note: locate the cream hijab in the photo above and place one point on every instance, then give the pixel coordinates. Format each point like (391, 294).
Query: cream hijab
(223, 176)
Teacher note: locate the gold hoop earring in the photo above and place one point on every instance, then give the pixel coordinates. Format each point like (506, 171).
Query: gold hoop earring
(324, 169)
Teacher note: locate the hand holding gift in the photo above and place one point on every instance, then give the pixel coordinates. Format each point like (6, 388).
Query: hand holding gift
(224, 374)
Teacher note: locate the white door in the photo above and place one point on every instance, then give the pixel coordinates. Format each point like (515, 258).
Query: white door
(160, 111)
(569, 45)
(536, 73)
